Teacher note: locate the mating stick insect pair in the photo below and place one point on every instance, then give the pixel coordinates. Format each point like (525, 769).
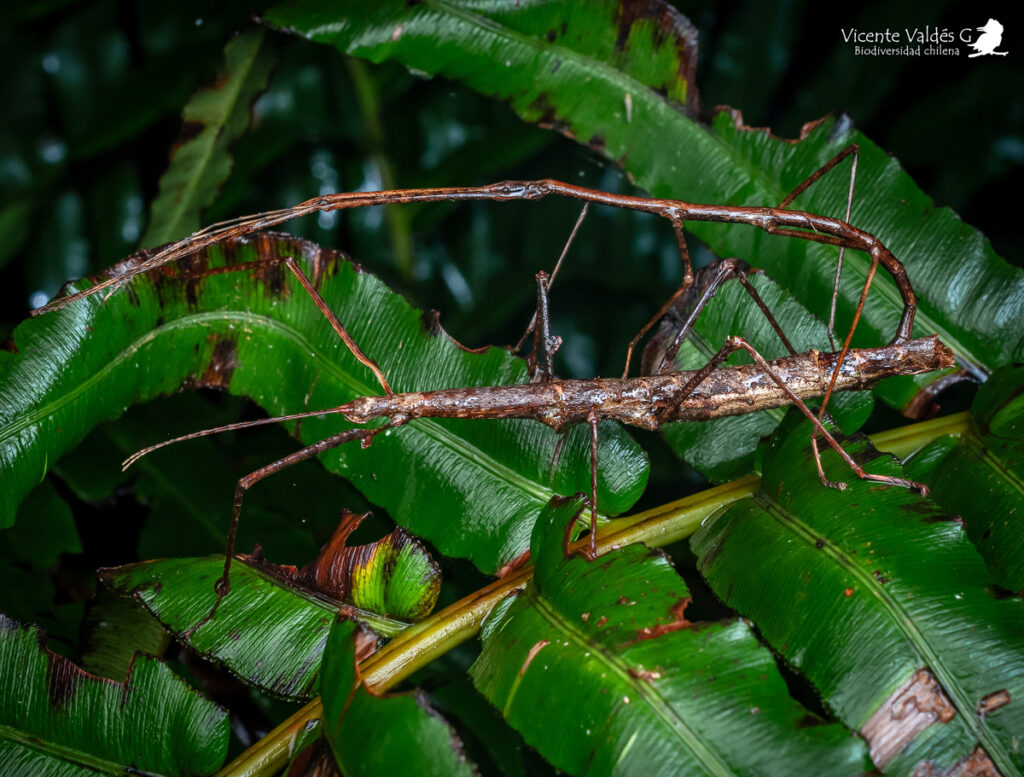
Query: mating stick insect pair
(647, 402)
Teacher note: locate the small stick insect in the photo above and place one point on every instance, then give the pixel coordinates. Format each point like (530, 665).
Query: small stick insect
(646, 402)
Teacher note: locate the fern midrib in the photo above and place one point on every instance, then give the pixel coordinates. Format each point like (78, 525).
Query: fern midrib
(67, 754)
(906, 623)
(693, 742)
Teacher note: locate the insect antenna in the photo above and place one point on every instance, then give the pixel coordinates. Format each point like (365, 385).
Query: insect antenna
(230, 428)
(551, 279)
(854, 150)
(223, 586)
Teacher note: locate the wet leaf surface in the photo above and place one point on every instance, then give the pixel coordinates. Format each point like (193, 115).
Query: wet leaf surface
(980, 475)
(257, 334)
(58, 720)
(652, 693)
(267, 631)
(117, 627)
(490, 743)
(385, 734)
(270, 630)
(878, 597)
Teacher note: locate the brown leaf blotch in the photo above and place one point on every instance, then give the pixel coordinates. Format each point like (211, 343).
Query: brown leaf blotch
(532, 654)
(977, 764)
(912, 708)
(992, 702)
(222, 364)
(677, 623)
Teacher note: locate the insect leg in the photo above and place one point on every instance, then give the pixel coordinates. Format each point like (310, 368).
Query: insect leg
(711, 279)
(839, 362)
(741, 275)
(554, 272)
(592, 420)
(854, 150)
(223, 585)
(687, 282)
(340, 409)
(336, 323)
(735, 343)
(705, 285)
(544, 343)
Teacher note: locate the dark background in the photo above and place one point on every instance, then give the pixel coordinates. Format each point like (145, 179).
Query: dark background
(94, 93)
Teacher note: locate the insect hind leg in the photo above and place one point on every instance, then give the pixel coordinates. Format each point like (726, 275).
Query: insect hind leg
(735, 343)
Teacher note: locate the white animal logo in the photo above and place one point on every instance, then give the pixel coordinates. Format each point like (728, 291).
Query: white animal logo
(989, 40)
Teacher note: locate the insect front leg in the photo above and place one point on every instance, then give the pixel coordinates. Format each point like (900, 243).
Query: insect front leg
(223, 585)
(310, 288)
(329, 314)
(684, 287)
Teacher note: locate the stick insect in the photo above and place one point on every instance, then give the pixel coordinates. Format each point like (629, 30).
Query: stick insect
(647, 402)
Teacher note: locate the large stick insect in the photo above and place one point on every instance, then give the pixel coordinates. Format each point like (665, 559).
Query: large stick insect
(647, 402)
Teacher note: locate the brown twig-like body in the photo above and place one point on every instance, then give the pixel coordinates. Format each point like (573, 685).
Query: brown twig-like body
(650, 402)
(645, 402)
(776, 221)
